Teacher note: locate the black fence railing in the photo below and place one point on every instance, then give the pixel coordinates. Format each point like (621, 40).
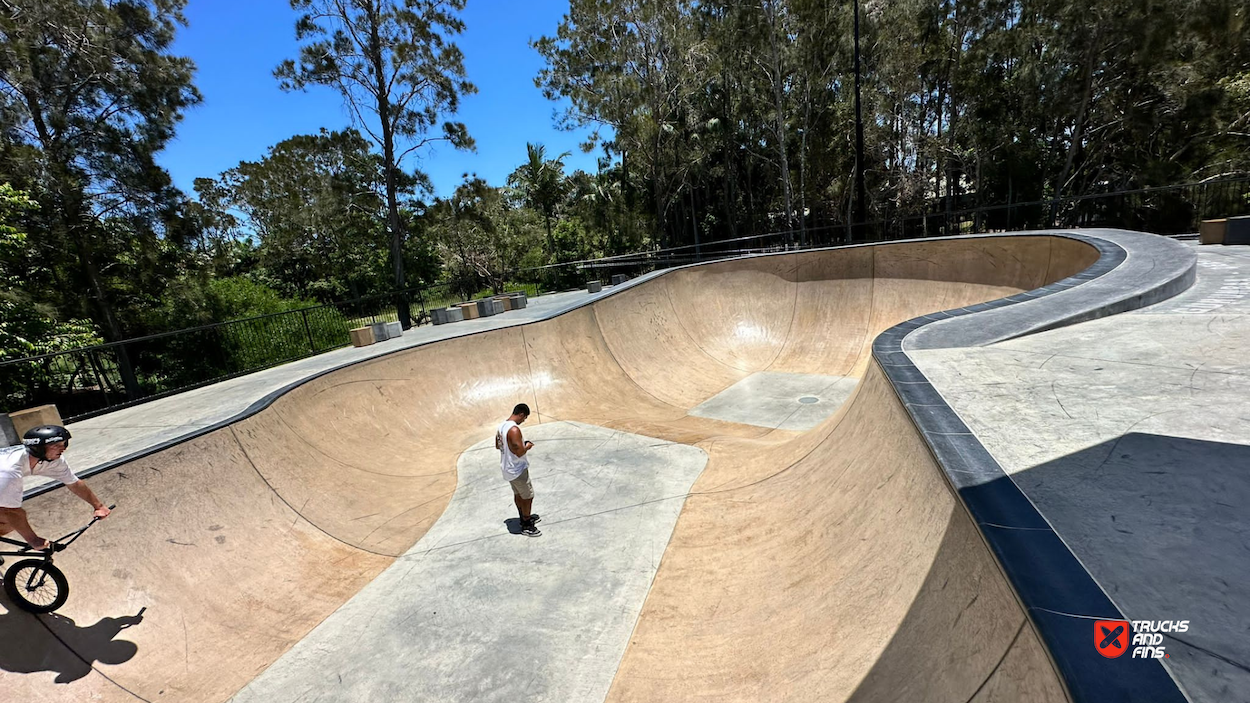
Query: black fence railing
(1168, 210)
(86, 382)
(94, 380)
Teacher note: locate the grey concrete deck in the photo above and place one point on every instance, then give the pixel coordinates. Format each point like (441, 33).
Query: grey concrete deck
(106, 440)
(1131, 435)
(476, 612)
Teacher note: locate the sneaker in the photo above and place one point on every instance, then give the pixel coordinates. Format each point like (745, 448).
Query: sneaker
(535, 518)
(529, 530)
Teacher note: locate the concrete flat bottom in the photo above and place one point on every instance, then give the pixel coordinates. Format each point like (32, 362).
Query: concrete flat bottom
(783, 401)
(476, 612)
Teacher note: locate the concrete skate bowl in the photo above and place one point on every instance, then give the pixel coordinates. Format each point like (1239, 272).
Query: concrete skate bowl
(831, 564)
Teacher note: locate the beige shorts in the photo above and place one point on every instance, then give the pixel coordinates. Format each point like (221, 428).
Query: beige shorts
(522, 487)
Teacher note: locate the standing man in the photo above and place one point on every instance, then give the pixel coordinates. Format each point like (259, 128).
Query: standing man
(40, 455)
(516, 467)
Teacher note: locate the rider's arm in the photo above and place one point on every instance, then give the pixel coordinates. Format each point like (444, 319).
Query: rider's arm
(517, 446)
(16, 518)
(82, 490)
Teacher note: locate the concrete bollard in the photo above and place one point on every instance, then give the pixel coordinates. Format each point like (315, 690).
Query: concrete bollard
(1238, 231)
(394, 329)
(362, 336)
(485, 308)
(8, 433)
(379, 332)
(619, 278)
(442, 316)
(33, 417)
(469, 310)
(594, 286)
(1212, 231)
(518, 300)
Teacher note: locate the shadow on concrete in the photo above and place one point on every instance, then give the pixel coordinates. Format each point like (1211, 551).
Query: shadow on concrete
(960, 626)
(1163, 524)
(513, 524)
(28, 643)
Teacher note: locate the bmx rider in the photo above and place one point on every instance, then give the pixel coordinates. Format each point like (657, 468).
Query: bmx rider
(38, 455)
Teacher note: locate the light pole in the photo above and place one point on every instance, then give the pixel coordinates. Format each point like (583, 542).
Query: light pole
(859, 136)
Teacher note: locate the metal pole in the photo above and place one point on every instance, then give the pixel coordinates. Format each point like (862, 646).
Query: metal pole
(312, 346)
(859, 134)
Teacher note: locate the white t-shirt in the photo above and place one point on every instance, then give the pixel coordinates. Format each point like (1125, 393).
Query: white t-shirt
(15, 463)
(511, 464)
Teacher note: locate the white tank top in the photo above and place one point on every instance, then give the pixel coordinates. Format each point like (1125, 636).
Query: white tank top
(511, 464)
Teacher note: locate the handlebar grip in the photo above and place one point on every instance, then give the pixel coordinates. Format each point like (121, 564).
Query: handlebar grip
(58, 547)
(113, 507)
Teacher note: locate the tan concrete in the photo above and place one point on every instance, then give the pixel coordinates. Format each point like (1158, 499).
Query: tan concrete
(1212, 231)
(469, 310)
(833, 564)
(23, 420)
(362, 336)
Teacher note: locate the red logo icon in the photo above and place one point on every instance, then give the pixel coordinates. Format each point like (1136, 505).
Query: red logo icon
(1111, 637)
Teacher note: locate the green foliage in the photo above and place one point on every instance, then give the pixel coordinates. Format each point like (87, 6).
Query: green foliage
(542, 181)
(398, 70)
(89, 94)
(481, 236)
(239, 297)
(315, 206)
(26, 327)
(731, 117)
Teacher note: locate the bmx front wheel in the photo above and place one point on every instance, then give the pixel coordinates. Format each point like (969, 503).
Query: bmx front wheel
(36, 585)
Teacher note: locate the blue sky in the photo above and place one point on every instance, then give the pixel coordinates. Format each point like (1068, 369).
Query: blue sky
(237, 43)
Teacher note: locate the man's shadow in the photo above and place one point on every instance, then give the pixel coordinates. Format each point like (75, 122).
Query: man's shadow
(513, 524)
(29, 645)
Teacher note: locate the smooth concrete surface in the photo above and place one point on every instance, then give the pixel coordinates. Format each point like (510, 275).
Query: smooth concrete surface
(106, 439)
(1131, 434)
(784, 401)
(1118, 280)
(832, 564)
(478, 612)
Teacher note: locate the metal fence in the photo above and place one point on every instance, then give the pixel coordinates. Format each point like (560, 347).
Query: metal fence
(1169, 210)
(94, 380)
(86, 382)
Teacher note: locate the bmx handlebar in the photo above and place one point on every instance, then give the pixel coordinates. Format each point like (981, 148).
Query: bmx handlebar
(64, 541)
(55, 545)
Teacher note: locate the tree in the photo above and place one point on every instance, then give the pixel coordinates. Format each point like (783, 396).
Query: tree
(88, 95)
(316, 208)
(542, 181)
(634, 68)
(216, 225)
(397, 71)
(27, 327)
(481, 236)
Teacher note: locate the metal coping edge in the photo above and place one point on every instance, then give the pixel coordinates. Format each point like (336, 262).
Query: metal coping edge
(1059, 595)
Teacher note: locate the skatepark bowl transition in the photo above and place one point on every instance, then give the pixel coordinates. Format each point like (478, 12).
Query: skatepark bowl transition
(748, 493)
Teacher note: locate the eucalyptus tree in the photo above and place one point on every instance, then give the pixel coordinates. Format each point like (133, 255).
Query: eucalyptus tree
(399, 73)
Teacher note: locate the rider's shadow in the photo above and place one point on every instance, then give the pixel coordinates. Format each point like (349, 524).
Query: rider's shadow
(29, 646)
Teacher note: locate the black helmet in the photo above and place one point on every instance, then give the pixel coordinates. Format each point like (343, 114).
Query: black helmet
(38, 438)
